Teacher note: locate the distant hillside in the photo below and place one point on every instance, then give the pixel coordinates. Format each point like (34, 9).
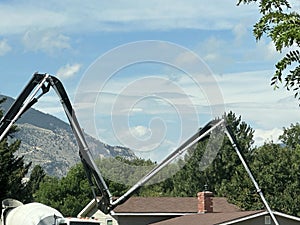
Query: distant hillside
(49, 142)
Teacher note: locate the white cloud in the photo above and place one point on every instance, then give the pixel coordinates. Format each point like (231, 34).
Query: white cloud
(136, 110)
(140, 131)
(4, 47)
(158, 96)
(267, 50)
(68, 70)
(77, 16)
(240, 31)
(210, 49)
(186, 58)
(217, 52)
(261, 136)
(46, 41)
(250, 95)
(19, 17)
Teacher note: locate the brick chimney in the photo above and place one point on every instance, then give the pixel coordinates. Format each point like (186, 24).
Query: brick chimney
(205, 202)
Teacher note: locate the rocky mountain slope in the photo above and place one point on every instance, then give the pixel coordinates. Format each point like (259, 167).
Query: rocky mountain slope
(49, 142)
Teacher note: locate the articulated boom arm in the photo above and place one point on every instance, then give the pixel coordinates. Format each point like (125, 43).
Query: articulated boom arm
(36, 88)
(43, 82)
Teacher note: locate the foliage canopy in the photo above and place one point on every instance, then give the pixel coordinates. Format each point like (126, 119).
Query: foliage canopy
(282, 25)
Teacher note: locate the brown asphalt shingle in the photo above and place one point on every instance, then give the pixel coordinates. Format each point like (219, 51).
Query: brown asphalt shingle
(171, 205)
(207, 218)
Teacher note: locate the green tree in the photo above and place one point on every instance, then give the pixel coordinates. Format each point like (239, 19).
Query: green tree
(68, 194)
(49, 192)
(36, 177)
(194, 177)
(276, 168)
(162, 183)
(12, 168)
(291, 136)
(128, 172)
(280, 23)
(227, 160)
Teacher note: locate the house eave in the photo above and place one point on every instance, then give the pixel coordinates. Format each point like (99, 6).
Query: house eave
(244, 218)
(287, 216)
(147, 214)
(258, 215)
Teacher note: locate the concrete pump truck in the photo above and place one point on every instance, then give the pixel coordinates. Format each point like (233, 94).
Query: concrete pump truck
(16, 213)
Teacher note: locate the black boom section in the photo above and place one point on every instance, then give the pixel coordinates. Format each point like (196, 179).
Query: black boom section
(36, 88)
(16, 106)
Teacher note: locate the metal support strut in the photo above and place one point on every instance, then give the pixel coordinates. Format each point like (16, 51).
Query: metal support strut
(258, 189)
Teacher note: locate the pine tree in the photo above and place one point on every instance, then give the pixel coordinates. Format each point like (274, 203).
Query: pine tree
(12, 168)
(217, 171)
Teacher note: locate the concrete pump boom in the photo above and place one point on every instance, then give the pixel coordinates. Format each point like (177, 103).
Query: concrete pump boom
(28, 97)
(43, 82)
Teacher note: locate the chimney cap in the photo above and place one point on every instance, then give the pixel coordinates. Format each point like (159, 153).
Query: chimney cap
(207, 193)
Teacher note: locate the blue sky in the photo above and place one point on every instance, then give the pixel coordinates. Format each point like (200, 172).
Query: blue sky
(69, 38)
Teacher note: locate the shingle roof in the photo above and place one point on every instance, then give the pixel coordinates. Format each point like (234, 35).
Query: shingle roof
(207, 218)
(171, 205)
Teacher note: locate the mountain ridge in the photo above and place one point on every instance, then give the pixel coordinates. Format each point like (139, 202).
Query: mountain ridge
(49, 142)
